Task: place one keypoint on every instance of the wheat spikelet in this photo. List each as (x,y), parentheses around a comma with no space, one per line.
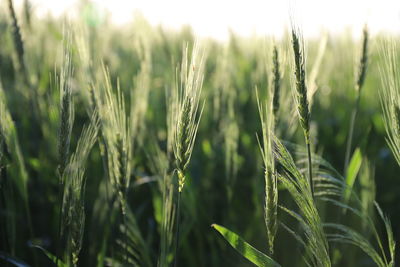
(301,96)
(276,82)
(116,133)
(73,210)
(27,12)
(270,176)
(185,117)
(186,114)
(66,124)
(301,88)
(225,99)
(390,96)
(362,66)
(140,98)
(122,170)
(8,131)
(396,120)
(115,129)
(17,38)
(315,241)
(66,107)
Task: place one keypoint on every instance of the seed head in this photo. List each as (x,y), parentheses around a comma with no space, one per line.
(362,66)
(184,111)
(301,88)
(276,84)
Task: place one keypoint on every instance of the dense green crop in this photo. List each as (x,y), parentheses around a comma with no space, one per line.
(121,146)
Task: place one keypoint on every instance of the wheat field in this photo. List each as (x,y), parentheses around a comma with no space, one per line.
(144,146)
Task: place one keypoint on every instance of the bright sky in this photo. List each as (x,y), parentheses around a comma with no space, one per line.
(214,18)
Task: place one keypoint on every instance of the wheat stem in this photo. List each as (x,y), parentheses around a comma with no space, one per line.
(185,114)
(351,133)
(125,235)
(310,169)
(270,174)
(178,218)
(362,68)
(65,130)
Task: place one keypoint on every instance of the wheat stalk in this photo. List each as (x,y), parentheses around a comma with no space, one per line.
(66,107)
(8,131)
(66,124)
(316,244)
(140,97)
(301,95)
(390,96)
(27,13)
(186,116)
(224,108)
(270,176)
(17,38)
(73,211)
(276,82)
(168,212)
(360,78)
(21,66)
(115,126)
(116,132)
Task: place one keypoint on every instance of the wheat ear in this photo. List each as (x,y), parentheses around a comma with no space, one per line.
(361,71)
(301,96)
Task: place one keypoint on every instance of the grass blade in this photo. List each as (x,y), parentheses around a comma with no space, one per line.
(352,172)
(52,257)
(244,248)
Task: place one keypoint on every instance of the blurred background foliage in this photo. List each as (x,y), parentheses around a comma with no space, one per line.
(225,182)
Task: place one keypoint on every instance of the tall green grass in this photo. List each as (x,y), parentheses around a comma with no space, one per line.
(142,142)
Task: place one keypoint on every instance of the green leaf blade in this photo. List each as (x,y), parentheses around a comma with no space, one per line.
(245,249)
(52,257)
(351,173)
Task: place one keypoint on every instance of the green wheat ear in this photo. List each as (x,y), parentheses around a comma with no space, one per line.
(276,82)
(181,180)
(73,208)
(390,96)
(362,69)
(27,13)
(115,128)
(121,156)
(66,107)
(301,88)
(396,120)
(185,115)
(186,111)
(66,124)
(9,134)
(301,96)
(362,66)
(270,175)
(17,38)
(315,240)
